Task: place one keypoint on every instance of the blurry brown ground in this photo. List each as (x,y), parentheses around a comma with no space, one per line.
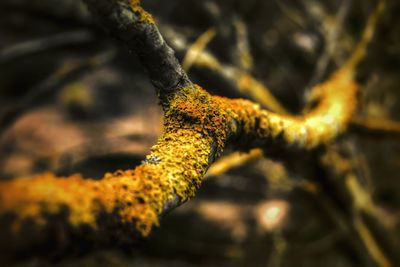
(72,100)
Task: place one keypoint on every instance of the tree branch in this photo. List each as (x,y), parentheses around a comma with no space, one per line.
(197,128)
(127,21)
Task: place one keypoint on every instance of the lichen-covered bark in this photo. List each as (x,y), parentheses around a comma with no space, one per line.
(197,128)
(174,169)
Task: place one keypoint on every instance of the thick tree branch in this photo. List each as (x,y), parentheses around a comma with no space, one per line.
(197,128)
(128,22)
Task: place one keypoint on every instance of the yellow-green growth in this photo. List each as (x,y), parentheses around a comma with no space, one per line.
(144,16)
(174,168)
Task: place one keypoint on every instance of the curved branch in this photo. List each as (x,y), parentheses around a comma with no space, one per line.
(197,128)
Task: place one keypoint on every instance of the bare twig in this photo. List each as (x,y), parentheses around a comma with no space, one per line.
(376,126)
(330,43)
(45,43)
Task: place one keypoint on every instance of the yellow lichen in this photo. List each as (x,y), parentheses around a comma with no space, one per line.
(337,102)
(196,130)
(197,109)
(195,122)
(144,16)
(174,169)
(137,195)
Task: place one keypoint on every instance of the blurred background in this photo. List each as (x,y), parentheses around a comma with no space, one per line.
(73,100)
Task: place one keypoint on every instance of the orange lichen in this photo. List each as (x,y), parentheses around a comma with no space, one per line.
(195,123)
(196,130)
(218,116)
(137,195)
(174,169)
(337,101)
(197,127)
(208,115)
(143,15)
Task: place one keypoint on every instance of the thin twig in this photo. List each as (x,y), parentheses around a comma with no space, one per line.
(45,43)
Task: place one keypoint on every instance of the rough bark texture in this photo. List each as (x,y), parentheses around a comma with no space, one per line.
(126,206)
(197,128)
